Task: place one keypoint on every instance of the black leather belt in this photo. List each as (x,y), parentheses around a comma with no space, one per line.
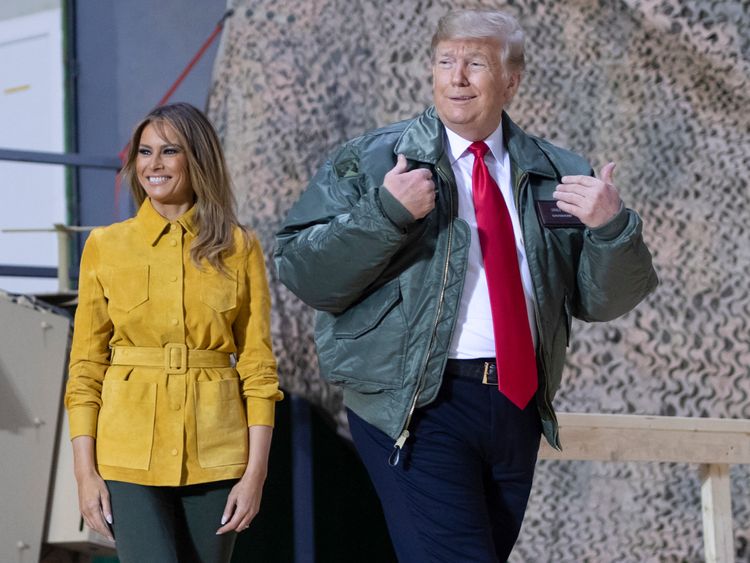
(483,370)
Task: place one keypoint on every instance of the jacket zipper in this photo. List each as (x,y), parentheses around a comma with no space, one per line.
(395,456)
(547,402)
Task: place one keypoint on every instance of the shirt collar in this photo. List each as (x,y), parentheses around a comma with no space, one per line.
(187,220)
(457,145)
(154,225)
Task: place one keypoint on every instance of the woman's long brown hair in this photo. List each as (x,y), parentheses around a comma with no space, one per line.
(215,215)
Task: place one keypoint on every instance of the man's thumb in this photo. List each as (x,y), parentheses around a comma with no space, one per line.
(606,173)
(401,165)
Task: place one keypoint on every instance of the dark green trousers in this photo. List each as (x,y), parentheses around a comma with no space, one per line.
(170,524)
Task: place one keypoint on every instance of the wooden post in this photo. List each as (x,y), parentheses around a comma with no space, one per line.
(63,258)
(716,498)
(714,443)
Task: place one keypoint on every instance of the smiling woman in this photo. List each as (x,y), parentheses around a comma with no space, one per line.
(162,171)
(175,155)
(173,383)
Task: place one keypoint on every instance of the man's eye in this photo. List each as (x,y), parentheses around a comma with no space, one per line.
(445,63)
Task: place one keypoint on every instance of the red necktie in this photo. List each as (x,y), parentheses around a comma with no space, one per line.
(514,348)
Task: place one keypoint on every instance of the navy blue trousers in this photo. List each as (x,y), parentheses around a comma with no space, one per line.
(460,490)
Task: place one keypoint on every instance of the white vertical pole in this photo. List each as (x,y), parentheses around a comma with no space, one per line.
(63,258)
(716,499)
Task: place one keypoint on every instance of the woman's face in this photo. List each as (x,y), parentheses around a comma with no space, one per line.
(161,166)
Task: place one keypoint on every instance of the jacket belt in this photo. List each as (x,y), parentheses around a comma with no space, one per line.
(174,358)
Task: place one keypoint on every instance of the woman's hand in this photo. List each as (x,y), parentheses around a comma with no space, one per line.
(93,495)
(243,502)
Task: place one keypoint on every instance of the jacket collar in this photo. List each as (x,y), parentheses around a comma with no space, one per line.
(525,154)
(424,138)
(154,225)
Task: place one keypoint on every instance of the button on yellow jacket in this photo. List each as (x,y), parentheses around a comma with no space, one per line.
(139,287)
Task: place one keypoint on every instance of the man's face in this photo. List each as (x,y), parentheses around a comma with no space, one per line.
(470,87)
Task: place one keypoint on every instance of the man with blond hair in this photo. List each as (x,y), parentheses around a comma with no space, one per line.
(446,256)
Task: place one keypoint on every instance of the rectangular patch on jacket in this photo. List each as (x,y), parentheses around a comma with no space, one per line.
(553,217)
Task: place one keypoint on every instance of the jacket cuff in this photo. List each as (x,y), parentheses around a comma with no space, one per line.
(82,421)
(612,228)
(394,210)
(260,412)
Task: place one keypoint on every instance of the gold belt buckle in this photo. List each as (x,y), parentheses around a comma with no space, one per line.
(175,359)
(486,373)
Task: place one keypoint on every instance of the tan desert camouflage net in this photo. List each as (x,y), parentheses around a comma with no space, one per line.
(660,87)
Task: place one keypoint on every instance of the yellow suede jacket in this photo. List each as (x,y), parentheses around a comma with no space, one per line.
(139,288)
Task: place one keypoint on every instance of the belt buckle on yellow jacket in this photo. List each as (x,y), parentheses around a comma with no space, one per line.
(175,359)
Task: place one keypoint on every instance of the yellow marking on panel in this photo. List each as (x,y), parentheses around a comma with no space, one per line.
(16,89)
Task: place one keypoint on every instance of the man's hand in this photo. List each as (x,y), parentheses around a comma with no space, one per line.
(414,189)
(595,201)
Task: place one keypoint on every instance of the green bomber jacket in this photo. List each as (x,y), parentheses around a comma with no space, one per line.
(387,288)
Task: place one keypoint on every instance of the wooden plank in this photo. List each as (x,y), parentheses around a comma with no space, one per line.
(599,437)
(718,539)
(636,421)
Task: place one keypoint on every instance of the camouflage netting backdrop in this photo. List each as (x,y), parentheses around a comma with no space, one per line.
(661,87)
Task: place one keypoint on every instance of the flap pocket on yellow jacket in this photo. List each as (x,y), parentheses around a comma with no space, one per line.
(125,433)
(128,287)
(219,291)
(221,423)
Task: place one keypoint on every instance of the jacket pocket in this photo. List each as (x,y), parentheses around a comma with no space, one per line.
(125,433)
(218,291)
(368,348)
(221,423)
(128,287)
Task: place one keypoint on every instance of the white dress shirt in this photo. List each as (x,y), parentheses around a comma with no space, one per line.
(474,336)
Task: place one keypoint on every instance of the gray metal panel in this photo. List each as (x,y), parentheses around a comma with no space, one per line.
(33,348)
(65,528)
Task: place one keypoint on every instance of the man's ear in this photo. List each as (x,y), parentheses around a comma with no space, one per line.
(514,83)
